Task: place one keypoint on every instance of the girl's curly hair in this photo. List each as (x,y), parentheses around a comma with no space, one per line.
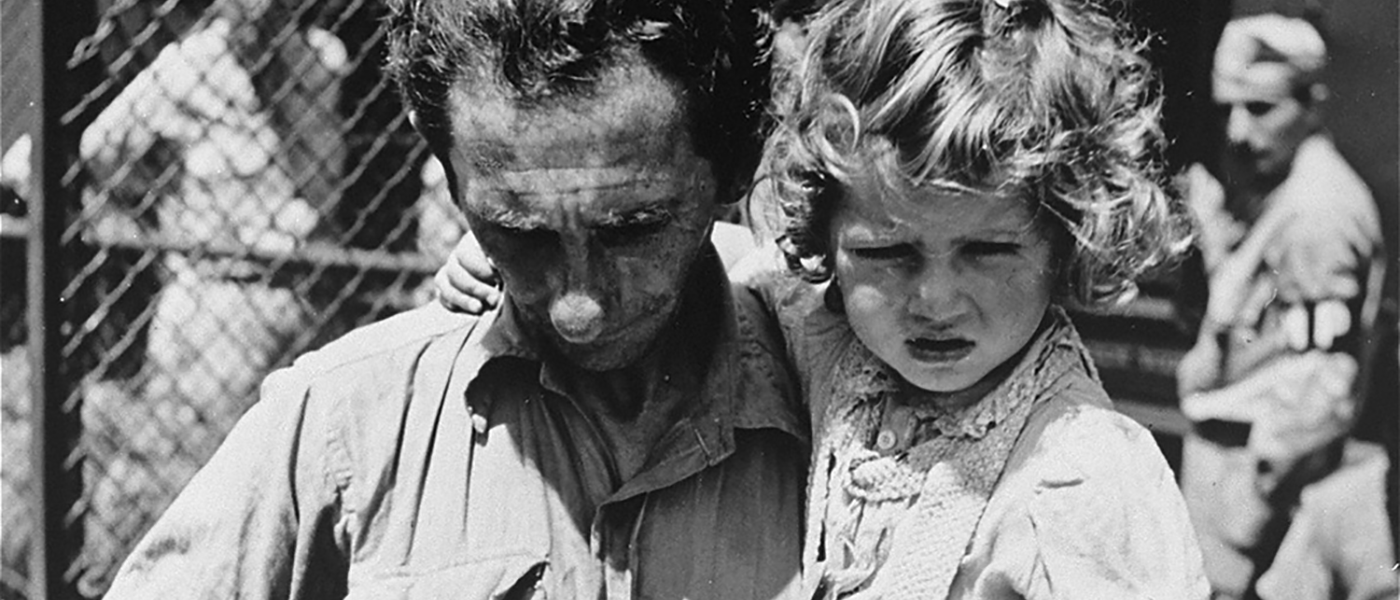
(1047,99)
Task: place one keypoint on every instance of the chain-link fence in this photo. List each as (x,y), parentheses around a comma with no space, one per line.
(244,186)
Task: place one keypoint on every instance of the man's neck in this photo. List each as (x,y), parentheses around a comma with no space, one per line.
(1246,193)
(636,405)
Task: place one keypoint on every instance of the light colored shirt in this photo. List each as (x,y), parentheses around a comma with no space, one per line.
(1293,360)
(433,455)
(1041,490)
(1339,544)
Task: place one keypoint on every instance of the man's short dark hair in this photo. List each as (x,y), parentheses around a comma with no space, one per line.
(540,51)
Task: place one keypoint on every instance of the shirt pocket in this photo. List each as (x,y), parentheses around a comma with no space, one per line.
(509,577)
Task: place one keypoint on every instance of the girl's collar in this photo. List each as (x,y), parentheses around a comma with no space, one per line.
(864,379)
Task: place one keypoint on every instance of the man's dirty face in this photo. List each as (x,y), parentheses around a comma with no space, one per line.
(593,209)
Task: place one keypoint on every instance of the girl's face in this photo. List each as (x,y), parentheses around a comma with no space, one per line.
(942,286)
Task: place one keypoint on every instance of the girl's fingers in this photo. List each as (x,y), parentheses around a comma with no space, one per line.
(472,285)
(469,255)
(459,292)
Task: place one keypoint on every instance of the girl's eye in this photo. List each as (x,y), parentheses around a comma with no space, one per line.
(895,252)
(992,248)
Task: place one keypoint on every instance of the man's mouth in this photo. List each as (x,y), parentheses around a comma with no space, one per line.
(1244,152)
(939,349)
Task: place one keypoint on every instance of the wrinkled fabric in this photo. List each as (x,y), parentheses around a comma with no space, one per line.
(1274,389)
(1339,545)
(1077,502)
(432,455)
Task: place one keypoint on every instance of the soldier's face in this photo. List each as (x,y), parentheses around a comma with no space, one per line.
(1263,128)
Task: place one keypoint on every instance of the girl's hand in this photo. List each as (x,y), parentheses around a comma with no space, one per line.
(468,283)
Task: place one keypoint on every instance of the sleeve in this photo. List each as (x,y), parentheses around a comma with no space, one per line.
(257,521)
(1328,282)
(763,271)
(1108,521)
(734,243)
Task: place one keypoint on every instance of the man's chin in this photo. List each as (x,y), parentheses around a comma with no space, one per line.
(608,352)
(598,360)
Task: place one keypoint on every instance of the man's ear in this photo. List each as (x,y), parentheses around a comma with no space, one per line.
(1318,93)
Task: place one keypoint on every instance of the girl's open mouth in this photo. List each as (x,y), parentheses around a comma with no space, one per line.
(939,350)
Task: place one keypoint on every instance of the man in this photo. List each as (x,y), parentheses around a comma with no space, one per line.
(622,426)
(1291,247)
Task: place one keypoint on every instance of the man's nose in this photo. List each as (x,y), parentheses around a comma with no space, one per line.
(577,314)
(1237,125)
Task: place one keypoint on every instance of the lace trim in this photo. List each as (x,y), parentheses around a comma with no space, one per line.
(941,484)
(861,379)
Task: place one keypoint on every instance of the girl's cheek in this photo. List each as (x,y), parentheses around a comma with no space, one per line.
(868,306)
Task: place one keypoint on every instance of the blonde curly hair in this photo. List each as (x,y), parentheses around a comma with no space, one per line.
(1048,99)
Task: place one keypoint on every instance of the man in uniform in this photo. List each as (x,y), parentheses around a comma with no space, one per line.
(1291,249)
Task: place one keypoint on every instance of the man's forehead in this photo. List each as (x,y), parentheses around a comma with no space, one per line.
(626,181)
(631,114)
(1258,84)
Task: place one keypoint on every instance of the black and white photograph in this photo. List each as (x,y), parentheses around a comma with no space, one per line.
(700,299)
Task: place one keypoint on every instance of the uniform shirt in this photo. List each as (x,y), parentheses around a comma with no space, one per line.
(1041,490)
(434,456)
(1339,544)
(1293,359)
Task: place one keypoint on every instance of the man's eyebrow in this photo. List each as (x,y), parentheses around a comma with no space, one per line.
(646,215)
(507,218)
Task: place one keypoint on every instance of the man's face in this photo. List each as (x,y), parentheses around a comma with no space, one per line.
(593,212)
(1263,128)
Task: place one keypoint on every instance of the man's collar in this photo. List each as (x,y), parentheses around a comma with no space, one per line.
(503,334)
(745,384)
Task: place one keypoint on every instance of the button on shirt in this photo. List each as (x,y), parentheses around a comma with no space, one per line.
(432,455)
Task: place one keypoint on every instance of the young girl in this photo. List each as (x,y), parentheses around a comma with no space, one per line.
(947,173)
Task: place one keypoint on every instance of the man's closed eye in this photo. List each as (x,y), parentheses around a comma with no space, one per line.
(631,232)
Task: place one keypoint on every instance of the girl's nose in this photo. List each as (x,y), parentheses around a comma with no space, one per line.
(935,292)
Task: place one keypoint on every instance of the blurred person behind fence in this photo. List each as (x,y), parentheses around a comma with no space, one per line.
(622,426)
(1290,251)
(227,142)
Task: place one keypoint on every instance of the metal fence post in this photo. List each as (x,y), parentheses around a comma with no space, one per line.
(56,424)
